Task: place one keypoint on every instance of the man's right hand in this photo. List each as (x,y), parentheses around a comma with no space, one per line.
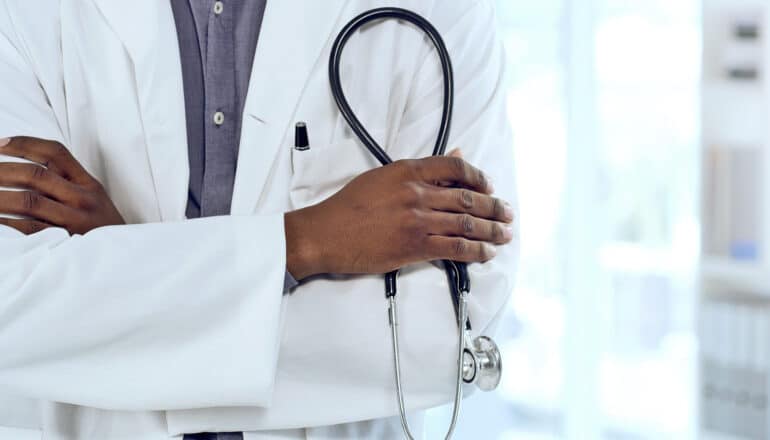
(403,213)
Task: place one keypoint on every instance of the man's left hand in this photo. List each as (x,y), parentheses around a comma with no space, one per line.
(56,190)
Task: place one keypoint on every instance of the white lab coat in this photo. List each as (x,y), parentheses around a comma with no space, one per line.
(168,326)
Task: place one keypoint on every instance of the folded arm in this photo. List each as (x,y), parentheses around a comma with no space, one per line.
(122,316)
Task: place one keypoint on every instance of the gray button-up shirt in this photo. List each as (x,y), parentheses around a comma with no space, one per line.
(217,42)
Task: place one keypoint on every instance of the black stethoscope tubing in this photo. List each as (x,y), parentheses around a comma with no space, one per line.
(457,272)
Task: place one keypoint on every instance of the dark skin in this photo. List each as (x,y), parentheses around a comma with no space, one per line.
(58,193)
(407,212)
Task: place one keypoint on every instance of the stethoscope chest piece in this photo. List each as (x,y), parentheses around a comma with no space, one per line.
(482,364)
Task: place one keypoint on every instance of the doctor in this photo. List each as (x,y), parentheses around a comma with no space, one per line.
(166,212)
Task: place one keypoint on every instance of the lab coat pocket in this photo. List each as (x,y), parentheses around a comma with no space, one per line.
(321,171)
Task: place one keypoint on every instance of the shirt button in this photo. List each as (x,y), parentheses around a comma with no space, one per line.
(219,118)
(218,7)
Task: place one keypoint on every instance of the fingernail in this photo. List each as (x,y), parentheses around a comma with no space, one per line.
(4,141)
(490,184)
(507,233)
(508,211)
(490,250)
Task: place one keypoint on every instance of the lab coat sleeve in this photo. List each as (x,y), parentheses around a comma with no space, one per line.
(336,362)
(138,317)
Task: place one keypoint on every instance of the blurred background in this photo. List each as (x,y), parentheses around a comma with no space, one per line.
(640,310)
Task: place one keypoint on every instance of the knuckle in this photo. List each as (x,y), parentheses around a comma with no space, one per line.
(408,166)
(416,168)
(458,166)
(30,201)
(482,252)
(496,232)
(486,251)
(94,186)
(58,150)
(399,164)
(38,173)
(414,222)
(466,223)
(481,179)
(497,208)
(459,247)
(85,202)
(466,199)
(412,194)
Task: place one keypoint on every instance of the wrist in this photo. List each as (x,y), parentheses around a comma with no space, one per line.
(303,257)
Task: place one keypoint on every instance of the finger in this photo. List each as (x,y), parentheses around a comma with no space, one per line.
(50,154)
(38,207)
(451,169)
(27,227)
(466,201)
(39,179)
(456,152)
(459,249)
(19,147)
(470,227)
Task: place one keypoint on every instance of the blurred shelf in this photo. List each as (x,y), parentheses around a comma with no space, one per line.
(721,86)
(723,146)
(733,114)
(748,278)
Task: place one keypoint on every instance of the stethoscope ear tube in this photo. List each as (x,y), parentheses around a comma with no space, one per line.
(339,94)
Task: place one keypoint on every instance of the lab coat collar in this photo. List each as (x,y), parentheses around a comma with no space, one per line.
(291,40)
(291,43)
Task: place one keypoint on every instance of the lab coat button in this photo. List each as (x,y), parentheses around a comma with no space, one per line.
(218,7)
(219,118)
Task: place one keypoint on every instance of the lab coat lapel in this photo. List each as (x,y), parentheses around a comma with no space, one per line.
(290,45)
(148,32)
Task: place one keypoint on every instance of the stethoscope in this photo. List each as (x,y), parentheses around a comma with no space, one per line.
(478,360)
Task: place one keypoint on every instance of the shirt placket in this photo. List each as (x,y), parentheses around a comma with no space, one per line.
(220,112)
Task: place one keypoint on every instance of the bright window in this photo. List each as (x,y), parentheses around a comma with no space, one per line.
(599,340)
